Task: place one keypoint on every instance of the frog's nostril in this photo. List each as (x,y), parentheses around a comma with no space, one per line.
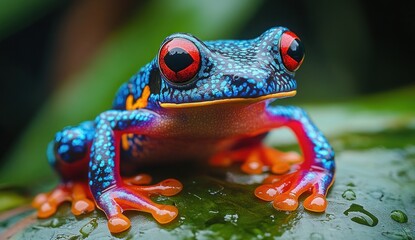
(236,78)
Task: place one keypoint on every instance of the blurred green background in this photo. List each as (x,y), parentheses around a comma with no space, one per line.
(61,62)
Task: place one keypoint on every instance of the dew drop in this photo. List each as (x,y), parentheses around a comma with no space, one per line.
(89,227)
(213,190)
(361,216)
(395,235)
(66,237)
(399,216)
(231,218)
(330,216)
(349,195)
(57,222)
(378,194)
(316,236)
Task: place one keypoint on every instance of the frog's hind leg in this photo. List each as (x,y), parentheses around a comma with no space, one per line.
(256,156)
(68,153)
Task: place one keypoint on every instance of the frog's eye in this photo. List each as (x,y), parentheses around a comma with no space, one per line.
(292,51)
(179,60)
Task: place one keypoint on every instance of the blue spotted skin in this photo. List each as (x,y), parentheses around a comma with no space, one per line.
(72,142)
(229,69)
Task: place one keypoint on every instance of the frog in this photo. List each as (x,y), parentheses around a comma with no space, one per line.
(197,100)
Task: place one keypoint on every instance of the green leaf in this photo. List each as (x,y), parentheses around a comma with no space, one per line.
(10,199)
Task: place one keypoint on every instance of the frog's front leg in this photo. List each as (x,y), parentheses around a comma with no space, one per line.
(315,174)
(111,194)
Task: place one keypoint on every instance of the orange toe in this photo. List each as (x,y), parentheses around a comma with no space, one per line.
(253,165)
(170,187)
(291,157)
(140,179)
(46,210)
(285,202)
(266,192)
(165,213)
(280,168)
(39,200)
(82,206)
(118,223)
(315,203)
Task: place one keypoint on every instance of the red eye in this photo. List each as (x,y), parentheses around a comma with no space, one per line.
(179,60)
(292,51)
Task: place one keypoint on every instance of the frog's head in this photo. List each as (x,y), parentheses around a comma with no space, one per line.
(195,73)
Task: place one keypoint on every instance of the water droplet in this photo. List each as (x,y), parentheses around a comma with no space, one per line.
(378,194)
(232,218)
(215,189)
(395,235)
(349,195)
(316,236)
(55,222)
(67,237)
(399,216)
(330,216)
(89,227)
(361,216)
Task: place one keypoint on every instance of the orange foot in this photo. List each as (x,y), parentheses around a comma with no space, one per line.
(75,192)
(255,158)
(113,202)
(130,196)
(285,191)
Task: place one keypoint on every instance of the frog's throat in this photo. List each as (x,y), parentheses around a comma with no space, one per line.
(229,100)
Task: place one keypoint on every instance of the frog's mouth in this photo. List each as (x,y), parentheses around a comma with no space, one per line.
(229,100)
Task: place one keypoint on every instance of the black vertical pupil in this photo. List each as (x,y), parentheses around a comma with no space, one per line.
(178,59)
(296,50)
